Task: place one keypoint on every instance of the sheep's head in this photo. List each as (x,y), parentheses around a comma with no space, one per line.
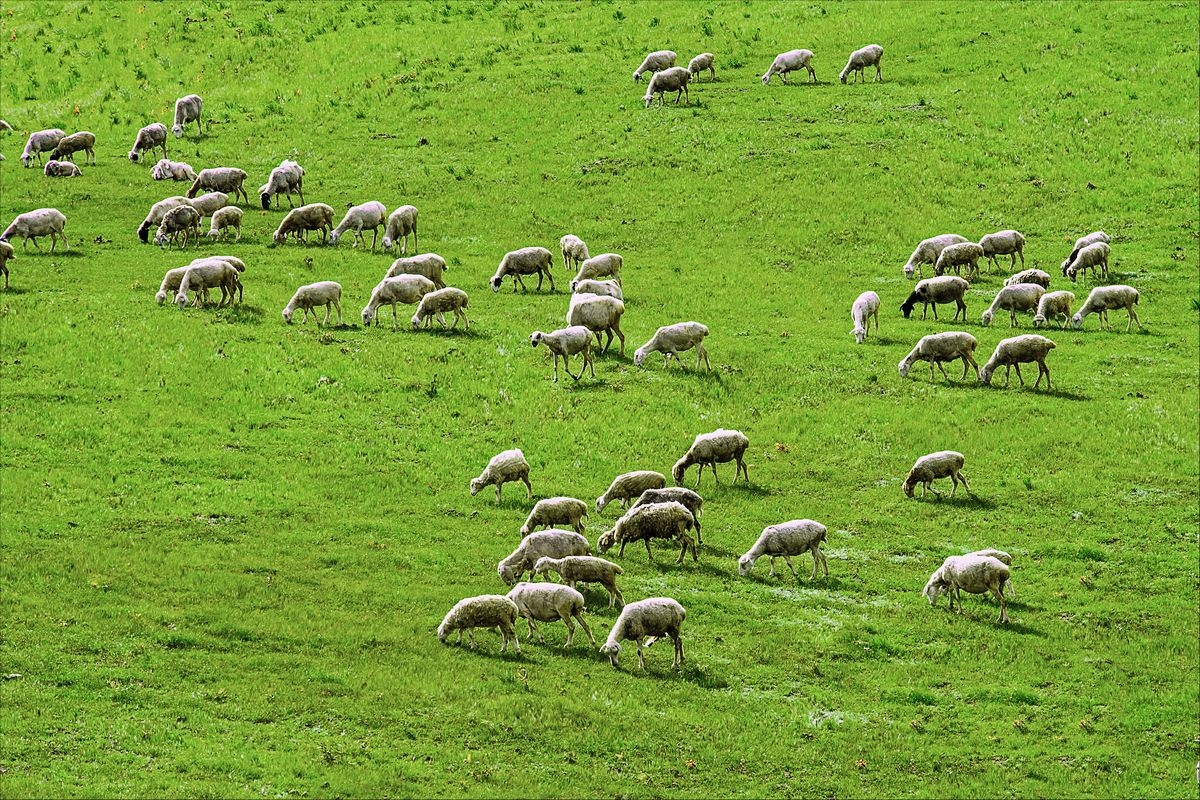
(416,323)
(679,470)
(860,334)
(766,79)
(639,356)
(910,483)
(934,588)
(1039,320)
(387,243)
(745,564)
(904,367)
(985,375)
(505,571)
(177,130)
(1077,321)
(906,308)
(648,99)
(181,300)
(443,630)
(985,318)
(477,484)
(606,541)
(542,566)
(1072,272)
(613,651)
(368,314)
(1064,265)
(333,237)
(161,297)
(265,198)
(287,315)
(496,281)
(601,502)
(133,156)
(279,235)
(535,338)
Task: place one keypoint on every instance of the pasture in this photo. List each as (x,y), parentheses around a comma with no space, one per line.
(228,541)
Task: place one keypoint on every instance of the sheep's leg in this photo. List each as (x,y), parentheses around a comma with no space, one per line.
(967,358)
(942,369)
(772,567)
(498,485)
(963,479)
(614,594)
(471,637)
(328,312)
(649,555)
(932,374)
(1042,368)
(641,655)
(1017,367)
(824,562)
(608,343)
(528,488)
(621,552)
(1133,317)
(1007,368)
(999,592)
(583,624)
(459,640)
(678,650)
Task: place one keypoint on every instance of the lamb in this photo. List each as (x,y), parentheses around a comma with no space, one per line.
(658,60)
(938,348)
(157,212)
(41,142)
(628,486)
(794,538)
(957,256)
(526,261)
(692,501)
(1094,255)
(431,265)
(927,469)
(860,59)
(584,569)
(284,179)
(308,297)
(599,315)
(1051,305)
(61,169)
(150,138)
(484,611)
(312,217)
(230,180)
(170,283)
(549,602)
(1014,298)
(39,222)
(786,62)
(554,543)
(174,277)
(508,466)
(407,289)
(603,288)
(167,170)
(668,520)
(573,249)
(187,109)
(1004,243)
(927,252)
(1080,243)
(556,511)
(653,617)
(371,215)
(702,62)
(710,449)
(6,255)
(674,79)
(210,203)
(68,146)
(671,339)
(601,266)
(976,574)
(1017,351)
(400,224)
(181,219)
(1030,276)
(222,220)
(943,289)
(437,303)
(566,342)
(1100,300)
(208,274)
(866,306)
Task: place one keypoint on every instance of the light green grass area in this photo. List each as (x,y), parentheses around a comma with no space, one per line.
(228,542)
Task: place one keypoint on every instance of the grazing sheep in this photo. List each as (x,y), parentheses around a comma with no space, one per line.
(629,486)
(653,617)
(956,256)
(692,501)
(210,203)
(370,215)
(860,59)
(977,574)
(1017,351)
(437,303)
(938,348)
(1030,276)
(927,252)
(1004,558)
(601,266)
(674,79)
(786,62)
(166,170)
(181,219)
(400,224)
(526,261)
(157,212)
(943,289)
(68,146)
(602,288)
(658,60)
(1014,298)
(550,602)
(312,217)
(308,297)
(710,449)
(554,543)
(6,255)
(39,222)
(866,306)
(671,339)
(1100,300)
(573,249)
(222,220)
(668,520)
(174,279)
(229,180)
(484,611)
(61,169)
(150,137)
(187,109)
(584,569)
(1051,305)
(1004,243)
(1094,255)
(702,62)
(170,283)
(787,539)
(431,265)
(599,315)
(555,511)
(407,289)
(41,142)
(208,274)
(927,469)
(566,342)
(506,467)
(284,179)
(1080,243)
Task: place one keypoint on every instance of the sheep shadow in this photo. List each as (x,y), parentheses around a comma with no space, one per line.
(241,313)
(16,290)
(450,333)
(967,500)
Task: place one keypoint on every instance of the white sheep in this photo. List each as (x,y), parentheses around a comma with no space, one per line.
(629,486)
(437,303)
(602,288)
(187,109)
(1014,298)
(787,539)
(167,170)
(601,266)
(229,180)
(209,203)
(150,137)
(6,255)
(668,520)
(554,543)
(584,569)
(407,289)
(866,306)
(41,142)
(1004,243)
(39,222)
(1080,243)
(1051,305)
(674,79)
(927,469)
(526,261)
(157,212)
(1016,351)
(208,274)
(653,62)
(550,602)
(786,62)
(573,249)
(484,611)
(702,62)
(508,466)
(690,500)
(1004,558)
(927,252)
(174,277)
(653,617)
(181,219)
(68,146)
(938,348)
(709,449)
(869,56)
(599,315)
(284,179)
(224,219)
(977,574)
(170,283)
(370,215)
(1029,276)
(309,297)
(61,169)
(670,340)
(552,511)
(431,265)
(311,217)
(400,224)
(956,256)
(1101,300)
(1094,255)
(942,289)
(564,343)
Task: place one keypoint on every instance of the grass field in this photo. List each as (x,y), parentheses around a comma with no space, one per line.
(227,542)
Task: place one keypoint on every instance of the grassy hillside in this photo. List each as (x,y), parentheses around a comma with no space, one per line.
(228,541)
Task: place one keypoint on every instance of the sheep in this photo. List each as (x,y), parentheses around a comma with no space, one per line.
(1029,276)
(526,261)
(39,222)
(584,569)
(573,249)
(937,348)
(1004,558)
(786,62)
(210,203)
(284,179)
(943,289)
(927,469)
(630,485)
(1051,305)
(431,265)
(166,170)
(1017,351)
(181,219)
(549,602)
(1004,243)
(866,306)
(223,219)
(400,224)
(1080,243)
(658,60)
(61,169)
(599,315)
(308,297)
(1094,255)
(208,274)
(860,59)
(437,303)
(157,212)
(794,538)
(601,266)
(508,466)
(702,62)
(653,617)
(957,256)
(371,215)
(230,180)
(554,511)
(170,283)
(554,543)
(566,342)
(1101,300)
(668,520)
(484,611)
(976,574)
(603,288)
(1014,298)
(311,217)
(674,79)
(41,142)
(68,146)
(174,277)
(187,109)
(150,138)
(6,255)
(927,252)
(407,289)
(671,339)
(710,449)
(692,501)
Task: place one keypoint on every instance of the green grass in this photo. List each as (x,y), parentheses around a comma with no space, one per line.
(228,542)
